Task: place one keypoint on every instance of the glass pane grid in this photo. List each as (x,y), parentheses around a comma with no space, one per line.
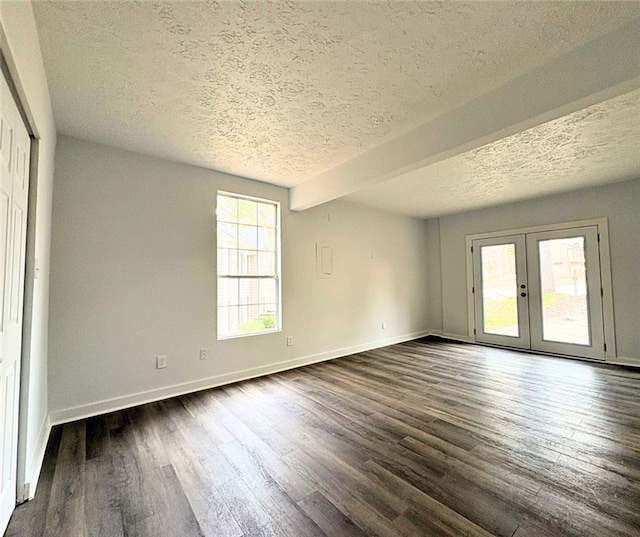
(259,224)
(233,210)
(247,267)
(235,221)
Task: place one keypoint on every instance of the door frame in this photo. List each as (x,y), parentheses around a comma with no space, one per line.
(605,274)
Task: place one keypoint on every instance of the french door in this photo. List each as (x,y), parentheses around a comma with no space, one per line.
(540,291)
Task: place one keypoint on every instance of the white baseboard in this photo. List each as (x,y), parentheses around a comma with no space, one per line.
(34,462)
(623,360)
(456,337)
(619,360)
(118,403)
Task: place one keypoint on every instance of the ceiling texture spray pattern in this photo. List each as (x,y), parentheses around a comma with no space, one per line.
(282,91)
(595,145)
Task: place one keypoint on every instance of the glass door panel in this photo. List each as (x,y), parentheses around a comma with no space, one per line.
(563,281)
(501,296)
(500,290)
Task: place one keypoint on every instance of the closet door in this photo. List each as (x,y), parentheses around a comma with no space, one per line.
(565,304)
(14,183)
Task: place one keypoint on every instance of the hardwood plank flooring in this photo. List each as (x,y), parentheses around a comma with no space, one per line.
(425,438)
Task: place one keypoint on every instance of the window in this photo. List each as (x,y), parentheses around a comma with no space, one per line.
(248,266)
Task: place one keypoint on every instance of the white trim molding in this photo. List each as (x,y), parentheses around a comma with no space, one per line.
(457,338)
(34,463)
(118,403)
(627,362)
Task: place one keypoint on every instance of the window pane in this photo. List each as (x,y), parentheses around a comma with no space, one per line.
(500,290)
(227,261)
(227,235)
(257,318)
(269,316)
(249,314)
(267,291)
(268,309)
(266,239)
(249,291)
(266,263)
(248,237)
(563,277)
(248,262)
(266,215)
(247,212)
(228,292)
(227,210)
(227,321)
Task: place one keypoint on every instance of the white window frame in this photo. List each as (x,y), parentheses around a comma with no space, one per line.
(277,277)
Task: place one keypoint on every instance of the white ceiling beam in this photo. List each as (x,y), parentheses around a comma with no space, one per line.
(601,69)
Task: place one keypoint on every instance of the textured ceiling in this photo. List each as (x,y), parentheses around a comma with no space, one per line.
(282,91)
(595,145)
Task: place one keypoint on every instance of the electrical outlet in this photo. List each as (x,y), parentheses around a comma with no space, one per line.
(384,325)
(289,341)
(204,354)
(161,361)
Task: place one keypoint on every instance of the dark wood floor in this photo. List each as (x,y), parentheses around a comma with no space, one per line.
(421,438)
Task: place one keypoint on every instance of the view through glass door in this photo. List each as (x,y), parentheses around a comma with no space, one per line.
(502,311)
(540,291)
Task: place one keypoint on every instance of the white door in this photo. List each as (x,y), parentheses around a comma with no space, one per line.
(14,183)
(540,291)
(565,300)
(501,306)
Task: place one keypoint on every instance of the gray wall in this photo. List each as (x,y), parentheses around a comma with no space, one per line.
(434,273)
(619,202)
(133,276)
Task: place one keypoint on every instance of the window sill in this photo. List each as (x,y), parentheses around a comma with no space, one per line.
(250,334)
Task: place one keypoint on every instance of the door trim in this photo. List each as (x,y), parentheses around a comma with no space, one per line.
(605,273)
